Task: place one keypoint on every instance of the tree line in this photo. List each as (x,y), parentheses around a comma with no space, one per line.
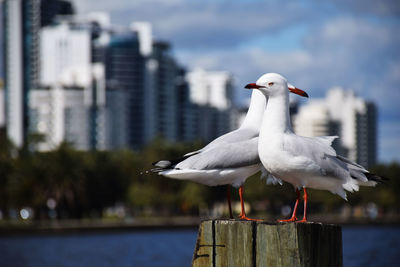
(83,184)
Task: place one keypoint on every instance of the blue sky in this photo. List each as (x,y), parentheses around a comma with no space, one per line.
(316,44)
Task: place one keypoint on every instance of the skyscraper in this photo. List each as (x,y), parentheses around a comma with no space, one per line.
(211,93)
(22,22)
(21,66)
(120,85)
(125,71)
(69,104)
(64,47)
(2,113)
(366,135)
(187,126)
(161,94)
(50,9)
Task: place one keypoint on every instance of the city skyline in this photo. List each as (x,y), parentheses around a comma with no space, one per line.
(82,80)
(281,39)
(315,44)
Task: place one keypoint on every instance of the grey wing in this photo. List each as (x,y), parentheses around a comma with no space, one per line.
(312,147)
(334,165)
(318,155)
(360,173)
(223,156)
(231,137)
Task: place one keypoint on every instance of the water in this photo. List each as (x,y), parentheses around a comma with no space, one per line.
(156,248)
(362,246)
(371,246)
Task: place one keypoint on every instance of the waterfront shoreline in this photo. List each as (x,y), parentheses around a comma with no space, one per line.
(142,224)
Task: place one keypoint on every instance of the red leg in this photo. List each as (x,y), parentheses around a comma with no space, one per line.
(228,197)
(293,218)
(242,215)
(305,197)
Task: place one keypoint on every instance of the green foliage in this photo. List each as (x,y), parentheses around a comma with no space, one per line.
(193,195)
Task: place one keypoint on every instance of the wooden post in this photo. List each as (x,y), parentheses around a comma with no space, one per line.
(244,243)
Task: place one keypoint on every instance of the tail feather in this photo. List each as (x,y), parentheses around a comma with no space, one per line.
(371,179)
(376,178)
(155,170)
(362,175)
(346,160)
(163,165)
(170,164)
(351,186)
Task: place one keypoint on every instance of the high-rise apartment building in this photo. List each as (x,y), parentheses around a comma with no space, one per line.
(64,48)
(187,126)
(60,115)
(125,71)
(161,94)
(72,110)
(21,66)
(50,9)
(342,113)
(69,104)
(367,135)
(102,87)
(2,113)
(211,93)
(22,21)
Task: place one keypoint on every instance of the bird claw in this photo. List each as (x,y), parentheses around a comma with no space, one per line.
(293,219)
(302,221)
(243,217)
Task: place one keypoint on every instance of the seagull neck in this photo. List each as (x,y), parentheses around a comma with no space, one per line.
(256,110)
(276,116)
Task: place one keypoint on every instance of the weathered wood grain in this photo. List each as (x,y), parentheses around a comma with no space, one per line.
(234,243)
(244,243)
(205,245)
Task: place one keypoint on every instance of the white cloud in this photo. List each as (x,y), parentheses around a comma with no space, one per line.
(203,25)
(353,53)
(86,6)
(359,54)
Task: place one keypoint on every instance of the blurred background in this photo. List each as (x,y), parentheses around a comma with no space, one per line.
(92,92)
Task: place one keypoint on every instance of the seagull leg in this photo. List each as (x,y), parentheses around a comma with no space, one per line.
(293,218)
(228,197)
(242,215)
(305,197)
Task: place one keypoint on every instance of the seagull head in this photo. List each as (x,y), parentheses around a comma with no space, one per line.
(271,84)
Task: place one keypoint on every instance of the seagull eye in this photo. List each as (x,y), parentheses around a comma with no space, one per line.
(271,83)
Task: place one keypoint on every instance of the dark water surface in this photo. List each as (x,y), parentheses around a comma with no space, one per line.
(371,246)
(362,246)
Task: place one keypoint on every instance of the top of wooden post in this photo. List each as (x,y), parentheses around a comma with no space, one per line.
(248,243)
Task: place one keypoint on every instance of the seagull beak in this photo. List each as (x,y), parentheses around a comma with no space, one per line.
(297,91)
(253,86)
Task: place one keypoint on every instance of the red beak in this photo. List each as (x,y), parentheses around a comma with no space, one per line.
(298,91)
(253,86)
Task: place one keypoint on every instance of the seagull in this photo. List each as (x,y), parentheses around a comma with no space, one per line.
(305,162)
(228,160)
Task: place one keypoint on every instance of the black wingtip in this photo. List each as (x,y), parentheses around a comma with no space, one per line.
(376,178)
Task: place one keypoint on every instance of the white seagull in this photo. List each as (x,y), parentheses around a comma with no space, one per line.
(305,162)
(228,160)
